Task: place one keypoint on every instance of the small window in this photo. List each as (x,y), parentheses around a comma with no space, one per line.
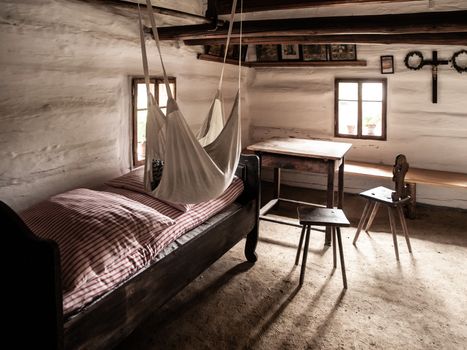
(139,102)
(360,108)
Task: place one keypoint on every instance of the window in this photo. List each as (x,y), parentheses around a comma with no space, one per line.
(360,108)
(139,101)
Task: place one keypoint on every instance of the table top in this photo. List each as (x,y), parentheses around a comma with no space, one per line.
(303,148)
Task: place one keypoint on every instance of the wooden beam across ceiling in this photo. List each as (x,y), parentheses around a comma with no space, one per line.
(132,8)
(432,27)
(423,38)
(224,6)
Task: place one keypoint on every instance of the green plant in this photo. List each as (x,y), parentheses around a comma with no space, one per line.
(369,119)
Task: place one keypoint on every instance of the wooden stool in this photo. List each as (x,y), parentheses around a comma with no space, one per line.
(394,200)
(375,197)
(329,217)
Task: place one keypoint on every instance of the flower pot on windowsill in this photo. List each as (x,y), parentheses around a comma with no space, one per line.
(370,128)
(350,129)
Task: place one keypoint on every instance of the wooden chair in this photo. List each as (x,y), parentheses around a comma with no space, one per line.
(328,217)
(393,200)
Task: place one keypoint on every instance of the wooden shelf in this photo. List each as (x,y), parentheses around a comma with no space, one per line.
(212,58)
(308,63)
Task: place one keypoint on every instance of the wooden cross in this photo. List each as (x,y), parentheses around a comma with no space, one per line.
(434,62)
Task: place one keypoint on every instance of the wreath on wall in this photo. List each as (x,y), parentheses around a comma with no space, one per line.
(408,58)
(417,54)
(455,65)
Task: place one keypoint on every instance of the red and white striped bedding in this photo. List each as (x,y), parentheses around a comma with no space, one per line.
(78,295)
(134,181)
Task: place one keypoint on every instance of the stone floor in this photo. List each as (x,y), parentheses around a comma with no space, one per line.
(417,303)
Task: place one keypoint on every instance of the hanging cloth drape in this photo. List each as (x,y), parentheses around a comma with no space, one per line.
(194,170)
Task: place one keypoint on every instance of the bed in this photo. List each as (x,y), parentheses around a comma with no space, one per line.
(32,266)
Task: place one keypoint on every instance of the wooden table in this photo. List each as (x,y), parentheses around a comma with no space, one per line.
(323,157)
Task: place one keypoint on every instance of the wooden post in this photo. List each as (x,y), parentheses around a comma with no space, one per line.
(411,209)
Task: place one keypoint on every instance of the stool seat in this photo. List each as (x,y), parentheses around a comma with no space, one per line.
(322,217)
(374,199)
(383,195)
(332,217)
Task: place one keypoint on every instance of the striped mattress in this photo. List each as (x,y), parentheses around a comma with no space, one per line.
(166,224)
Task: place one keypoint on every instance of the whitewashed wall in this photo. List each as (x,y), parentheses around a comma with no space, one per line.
(300,102)
(64,94)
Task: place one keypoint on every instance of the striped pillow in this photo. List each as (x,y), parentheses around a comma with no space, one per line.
(134,181)
(95,231)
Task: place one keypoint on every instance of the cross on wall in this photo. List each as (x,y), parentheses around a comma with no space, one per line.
(434,62)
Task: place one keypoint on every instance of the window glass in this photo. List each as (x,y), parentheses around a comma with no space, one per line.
(348,91)
(372,91)
(140,112)
(163,94)
(361,108)
(372,116)
(348,117)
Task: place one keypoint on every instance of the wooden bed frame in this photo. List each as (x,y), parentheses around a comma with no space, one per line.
(31,267)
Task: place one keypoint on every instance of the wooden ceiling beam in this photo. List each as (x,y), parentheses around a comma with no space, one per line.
(423,38)
(414,23)
(132,8)
(225,6)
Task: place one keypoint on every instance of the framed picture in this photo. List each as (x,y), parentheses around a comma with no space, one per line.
(387,64)
(214,50)
(314,52)
(267,53)
(343,52)
(234,51)
(290,52)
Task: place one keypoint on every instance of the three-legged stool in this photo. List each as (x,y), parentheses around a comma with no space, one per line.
(375,197)
(329,217)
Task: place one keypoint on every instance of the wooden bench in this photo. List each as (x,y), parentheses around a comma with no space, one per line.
(414,176)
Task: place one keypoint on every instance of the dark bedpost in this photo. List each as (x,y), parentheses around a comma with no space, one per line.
(31,273)
(253,188)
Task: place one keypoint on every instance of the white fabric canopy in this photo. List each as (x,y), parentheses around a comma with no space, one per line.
(196,168)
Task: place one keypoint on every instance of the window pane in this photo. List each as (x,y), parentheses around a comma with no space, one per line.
(372,92)
(142,96)
(348,117)
(163,93)
(141,134)
(372,116)
(348,91)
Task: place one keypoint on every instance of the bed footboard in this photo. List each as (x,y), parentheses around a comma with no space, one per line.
(251,176)
(31,271)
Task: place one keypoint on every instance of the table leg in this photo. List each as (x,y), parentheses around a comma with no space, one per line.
(330,197)
(340,203)
(277,183)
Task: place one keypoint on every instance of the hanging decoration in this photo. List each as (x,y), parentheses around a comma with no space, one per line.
(414,60)
(456,65)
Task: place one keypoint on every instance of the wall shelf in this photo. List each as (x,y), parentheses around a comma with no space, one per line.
(361,63)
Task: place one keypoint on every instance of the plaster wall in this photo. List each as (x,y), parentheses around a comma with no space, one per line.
(300,102)
(66,69)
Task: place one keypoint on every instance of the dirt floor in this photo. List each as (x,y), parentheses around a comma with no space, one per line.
(417,303)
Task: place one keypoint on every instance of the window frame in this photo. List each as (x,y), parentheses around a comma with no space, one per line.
(359,135)
(156,80)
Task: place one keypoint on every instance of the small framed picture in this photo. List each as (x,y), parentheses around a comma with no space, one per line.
(343,52)
(315,52)
(214,50)
(267,53)
(387,64)
(234,50)
(290,52)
